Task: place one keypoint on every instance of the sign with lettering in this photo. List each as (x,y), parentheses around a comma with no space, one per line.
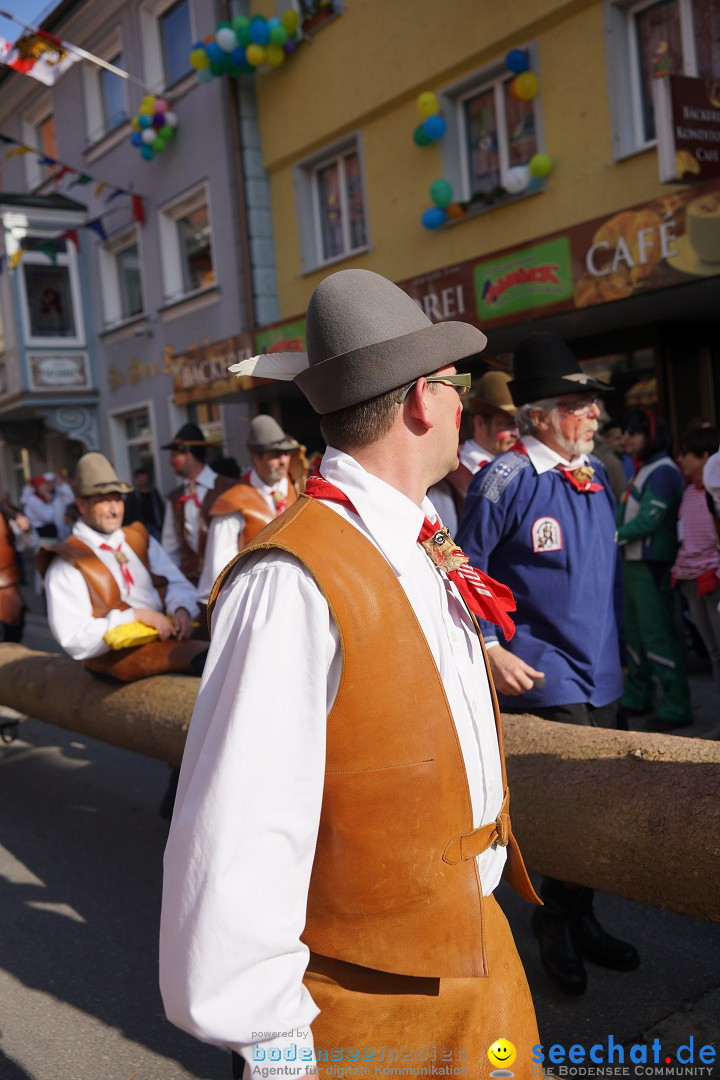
(284,337)
(537,276)
(201,373)
(59,372)
(687,119)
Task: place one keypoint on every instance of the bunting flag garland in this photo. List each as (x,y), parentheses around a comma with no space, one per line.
(97,226)
(138,209)
(100,187)
(82,179)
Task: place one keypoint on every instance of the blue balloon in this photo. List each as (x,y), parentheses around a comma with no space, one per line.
(272,23)
(204,75)
(517,60)
(145,121)
(434,218)
(147,152)
(435,127)
(215,53)
(136,138)
(238,57)
(198,45)
(259,30)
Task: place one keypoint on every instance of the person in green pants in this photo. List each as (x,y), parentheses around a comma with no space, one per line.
(647,535)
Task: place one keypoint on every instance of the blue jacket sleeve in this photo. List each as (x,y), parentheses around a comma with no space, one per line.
(482,526)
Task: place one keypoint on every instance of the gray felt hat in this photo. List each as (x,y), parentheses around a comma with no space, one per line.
(94,475)
(365,336)
(266,435)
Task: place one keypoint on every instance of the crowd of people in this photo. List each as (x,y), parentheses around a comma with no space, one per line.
(348,703)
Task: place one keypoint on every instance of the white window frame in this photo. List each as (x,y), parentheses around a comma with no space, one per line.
(170,252)
(624,71)
(454,144)
(66,258)
(307,198)
(120,444)
(150,15)
(96,128)
(34,171)
(110,277)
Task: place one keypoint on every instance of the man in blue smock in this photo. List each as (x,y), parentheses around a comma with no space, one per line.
(541,519)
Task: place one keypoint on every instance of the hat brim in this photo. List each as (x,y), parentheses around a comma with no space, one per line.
(483,408)
(362,374)
(525,391)
(179,444)
(282,447)
(109,488)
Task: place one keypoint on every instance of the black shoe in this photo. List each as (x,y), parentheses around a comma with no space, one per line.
(559,952)
(597,945)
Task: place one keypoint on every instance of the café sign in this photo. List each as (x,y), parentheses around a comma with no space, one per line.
(687,119)
(201,372)
(64,372)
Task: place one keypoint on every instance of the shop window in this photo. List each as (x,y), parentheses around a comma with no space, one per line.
(332,212)
(186,245)
(133,441)
(121,277)
(167,33)
(49,293)
(647,40)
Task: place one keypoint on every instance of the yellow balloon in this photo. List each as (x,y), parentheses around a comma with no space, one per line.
(135,124)
(525,86)
(255,55)
(274,55)
(428,104)
(290,20)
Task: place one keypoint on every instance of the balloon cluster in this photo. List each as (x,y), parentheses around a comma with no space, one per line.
(445,207)
(244,45)
(433,125)
(525,85)
(153,126)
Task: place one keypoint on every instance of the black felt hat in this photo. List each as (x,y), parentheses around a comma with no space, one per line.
(188,436)
(365,337)
(545,367)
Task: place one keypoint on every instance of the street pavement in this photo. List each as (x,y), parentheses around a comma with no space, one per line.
(80,877)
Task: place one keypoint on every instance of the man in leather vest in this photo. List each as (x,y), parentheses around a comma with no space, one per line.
(241,512)
(187,518)
(102,577)
(342,816)
(542,518)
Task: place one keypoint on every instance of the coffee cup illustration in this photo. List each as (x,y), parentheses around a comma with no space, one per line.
(703,226)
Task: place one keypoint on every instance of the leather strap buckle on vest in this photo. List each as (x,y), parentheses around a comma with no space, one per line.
(470,845)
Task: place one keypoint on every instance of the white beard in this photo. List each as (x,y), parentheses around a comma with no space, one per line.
(576,447)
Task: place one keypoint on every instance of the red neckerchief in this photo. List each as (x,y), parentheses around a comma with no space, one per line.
(577,478)
(122,561)
(191,494)
(484,596)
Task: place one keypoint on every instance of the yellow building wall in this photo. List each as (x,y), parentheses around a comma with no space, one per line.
(363,72)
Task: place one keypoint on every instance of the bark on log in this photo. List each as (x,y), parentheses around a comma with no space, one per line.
(633,814)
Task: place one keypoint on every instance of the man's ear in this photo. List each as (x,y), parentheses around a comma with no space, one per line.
(541,420)
(417,402)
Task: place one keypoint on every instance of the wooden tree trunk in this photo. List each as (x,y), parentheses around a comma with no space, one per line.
(629,813)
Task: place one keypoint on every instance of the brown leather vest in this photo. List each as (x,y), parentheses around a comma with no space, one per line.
(395,882)
(128,665)
(191,561)
(247,500)
(11,601)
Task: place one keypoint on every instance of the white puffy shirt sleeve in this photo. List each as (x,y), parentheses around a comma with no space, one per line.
(180,592)
(242,841)
(221,546)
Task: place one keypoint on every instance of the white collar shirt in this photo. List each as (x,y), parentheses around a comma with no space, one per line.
(267,491)
(473,455)
(242,841)
(544,458)
(70,616)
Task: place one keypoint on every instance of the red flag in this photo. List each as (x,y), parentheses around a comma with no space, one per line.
(138,210)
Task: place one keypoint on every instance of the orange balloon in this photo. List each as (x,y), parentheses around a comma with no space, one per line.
(454,210)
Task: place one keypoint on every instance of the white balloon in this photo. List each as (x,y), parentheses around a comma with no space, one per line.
(226,39)
(171,118)
(516,179)
(149,135)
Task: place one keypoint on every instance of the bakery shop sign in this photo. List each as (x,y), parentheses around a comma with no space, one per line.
(687,119)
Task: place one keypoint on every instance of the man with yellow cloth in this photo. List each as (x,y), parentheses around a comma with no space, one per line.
(101,578)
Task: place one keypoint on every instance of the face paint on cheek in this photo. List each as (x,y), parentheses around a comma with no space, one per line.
(458,417)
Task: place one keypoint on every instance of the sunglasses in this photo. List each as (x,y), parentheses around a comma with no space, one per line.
(461,383)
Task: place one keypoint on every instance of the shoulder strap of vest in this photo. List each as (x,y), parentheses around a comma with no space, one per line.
(237,499)
(138,538)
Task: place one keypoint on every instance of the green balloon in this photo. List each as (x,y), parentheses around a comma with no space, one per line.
(240,23)
(278,35)
(441,193)
(166,131)
(419,136)
(243,36)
